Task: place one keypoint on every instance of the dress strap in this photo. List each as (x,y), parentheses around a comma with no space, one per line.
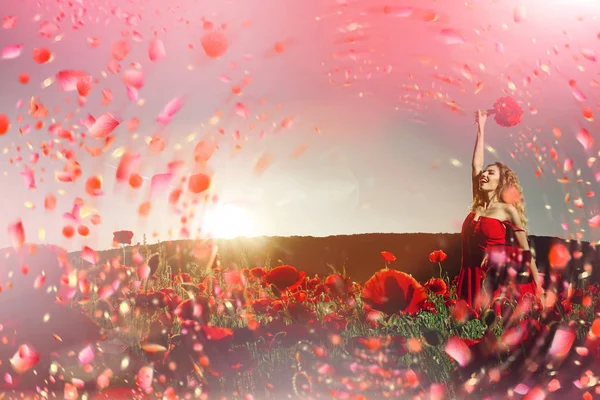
(514,228)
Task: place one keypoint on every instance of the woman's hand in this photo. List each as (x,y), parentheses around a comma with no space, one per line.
(480,118)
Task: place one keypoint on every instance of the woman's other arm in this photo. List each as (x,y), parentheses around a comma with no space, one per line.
(478,152)
(515,219)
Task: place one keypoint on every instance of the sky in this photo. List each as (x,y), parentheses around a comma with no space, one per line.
(325,117)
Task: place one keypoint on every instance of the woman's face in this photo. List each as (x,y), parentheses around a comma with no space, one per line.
(490,177)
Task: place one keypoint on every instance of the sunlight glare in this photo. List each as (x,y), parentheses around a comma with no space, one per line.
(226,221)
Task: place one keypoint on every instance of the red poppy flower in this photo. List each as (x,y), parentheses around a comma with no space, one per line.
(233,278)
(196,309)
(593,289)
(436,286)
(429,306)
(300,313)
(122,237)
(166,318)
(173,299)
(313,283)
(392,291)
(261,306)
(462,311)
(258,272)
(388,257)
(300,296)
(508,112)
(337,285)
(437,256)
(334,322)
(285,277)
(567,307)
(150,302)
(183,277)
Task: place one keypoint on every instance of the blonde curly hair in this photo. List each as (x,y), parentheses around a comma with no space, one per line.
(508,191)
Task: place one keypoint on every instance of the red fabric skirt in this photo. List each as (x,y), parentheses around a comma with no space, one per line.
(500,260)
(470,283)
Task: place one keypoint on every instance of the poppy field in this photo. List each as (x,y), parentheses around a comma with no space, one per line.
(269,332)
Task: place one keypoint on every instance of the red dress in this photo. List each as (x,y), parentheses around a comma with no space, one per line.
(489,236)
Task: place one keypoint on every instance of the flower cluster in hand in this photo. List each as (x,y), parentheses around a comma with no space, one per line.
(122,237)
(507,112)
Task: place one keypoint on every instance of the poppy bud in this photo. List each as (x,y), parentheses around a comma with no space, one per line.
(488,317)
(275,290)
(433,338)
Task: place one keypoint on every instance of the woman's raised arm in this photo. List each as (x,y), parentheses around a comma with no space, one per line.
(477,164)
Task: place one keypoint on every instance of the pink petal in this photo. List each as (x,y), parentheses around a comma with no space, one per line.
(17,234)
(48,29)
(9,22)
(554,385)
(520,14)
(114,67)
(536,393)
(159,183)
(132,93)
(156,50)
(594,222)
(500,48)
(119,50)
(28,176)
(170,110)
(134,78)
(11,52)
(88,254)
(451,36)
(589,54)
(241,110)
(104,126)
(458,350)
(584,137)
(39,281)
(138,259)
(86,355)
(127,166)
(143,271)
(568,165)
(24,359)
(578,94)
(521,389)
(88,121)
(135,35)
(105,292)
(436,391)
(68,79)
(562,342)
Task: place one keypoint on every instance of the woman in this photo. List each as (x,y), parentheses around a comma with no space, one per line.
(497,211)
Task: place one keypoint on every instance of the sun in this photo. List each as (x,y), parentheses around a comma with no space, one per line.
(226,221)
